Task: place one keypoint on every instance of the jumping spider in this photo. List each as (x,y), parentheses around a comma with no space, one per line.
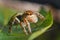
(25,19)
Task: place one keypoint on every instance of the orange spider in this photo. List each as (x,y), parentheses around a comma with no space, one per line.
(25,19)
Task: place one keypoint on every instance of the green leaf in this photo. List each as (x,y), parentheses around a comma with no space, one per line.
(37,29)
(45,25)
(5,15)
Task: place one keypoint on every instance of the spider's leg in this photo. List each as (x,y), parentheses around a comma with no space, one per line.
(24,29)
(17,21)
(14,21)
(29,28)
(40,16)
(28,25)
(10,28)
(22,25)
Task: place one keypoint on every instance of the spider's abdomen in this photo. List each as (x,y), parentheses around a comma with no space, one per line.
(32,18)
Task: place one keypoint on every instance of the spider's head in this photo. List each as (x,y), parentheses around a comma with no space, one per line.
(28,12)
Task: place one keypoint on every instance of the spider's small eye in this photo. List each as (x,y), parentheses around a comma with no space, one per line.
(28,12)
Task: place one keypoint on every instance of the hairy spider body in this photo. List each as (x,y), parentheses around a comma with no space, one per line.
(25,19)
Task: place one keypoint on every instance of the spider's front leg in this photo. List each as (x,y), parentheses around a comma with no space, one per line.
(23,26)
(28,25)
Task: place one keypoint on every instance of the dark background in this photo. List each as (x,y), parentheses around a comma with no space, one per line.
(54,3)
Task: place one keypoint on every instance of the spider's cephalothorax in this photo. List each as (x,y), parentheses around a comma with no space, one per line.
(25,19)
